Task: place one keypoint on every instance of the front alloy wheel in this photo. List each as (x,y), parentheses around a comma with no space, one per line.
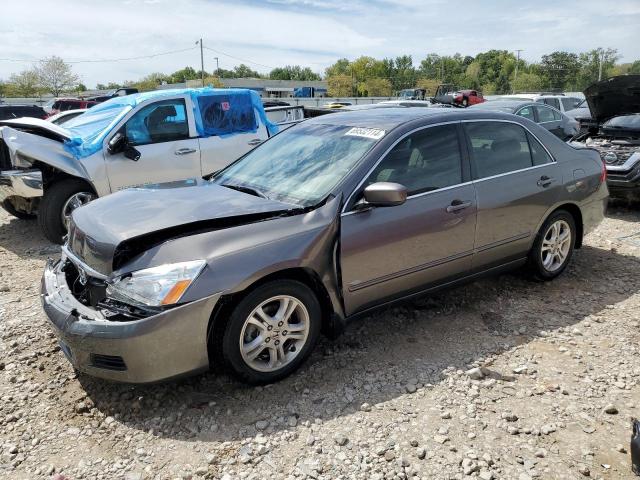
(274,333)
(270,332)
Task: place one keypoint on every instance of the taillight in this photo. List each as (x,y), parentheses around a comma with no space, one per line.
(603,173)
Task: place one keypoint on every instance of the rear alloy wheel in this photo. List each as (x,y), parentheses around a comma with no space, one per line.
(553,247)
(271,331)
(58,203)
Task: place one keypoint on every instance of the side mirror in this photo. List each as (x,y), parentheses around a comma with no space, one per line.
(117,143)
(385,194)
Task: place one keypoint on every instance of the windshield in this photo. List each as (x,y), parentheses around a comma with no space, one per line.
(301,165)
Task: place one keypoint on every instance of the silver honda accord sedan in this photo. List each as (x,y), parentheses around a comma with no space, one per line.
(323,222)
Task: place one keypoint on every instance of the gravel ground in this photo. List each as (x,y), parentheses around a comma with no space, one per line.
(500,379)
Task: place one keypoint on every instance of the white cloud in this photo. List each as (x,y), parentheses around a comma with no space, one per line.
(313,33)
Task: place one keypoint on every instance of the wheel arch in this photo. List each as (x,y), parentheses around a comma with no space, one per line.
(575,212)
(51,175)
(307,276)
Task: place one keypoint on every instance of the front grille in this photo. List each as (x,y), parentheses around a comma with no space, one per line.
(5,159)
(108,362)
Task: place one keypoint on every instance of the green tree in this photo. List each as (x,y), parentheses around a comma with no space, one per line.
(340,86)
(560,70)
(293,72)
(341,67)
(635,67)
(55,76)
(590,65)
(377,87)
(181,76)
(24,84)
(242,71)
(527,82)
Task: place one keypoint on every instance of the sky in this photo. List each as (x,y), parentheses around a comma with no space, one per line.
(313,33)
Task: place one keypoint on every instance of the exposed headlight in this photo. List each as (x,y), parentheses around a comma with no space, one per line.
(157,286)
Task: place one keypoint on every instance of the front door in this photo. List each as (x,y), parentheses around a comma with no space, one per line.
(393,251)
(160,132)
(516,181)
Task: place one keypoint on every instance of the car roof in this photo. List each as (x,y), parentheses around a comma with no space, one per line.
(503,104)
(19,105)
(390,118)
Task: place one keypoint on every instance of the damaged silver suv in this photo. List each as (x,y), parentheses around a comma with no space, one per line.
(324,221)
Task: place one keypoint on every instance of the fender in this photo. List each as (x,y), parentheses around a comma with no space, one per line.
(27,149)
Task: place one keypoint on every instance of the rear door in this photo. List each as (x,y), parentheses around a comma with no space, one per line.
(516,181)
(160,131)
(393,251)
(550,119)
(232,129)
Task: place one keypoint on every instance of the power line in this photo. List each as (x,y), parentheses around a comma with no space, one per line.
(238,58)
(107,60)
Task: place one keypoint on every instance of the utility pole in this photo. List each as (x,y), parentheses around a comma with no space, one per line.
(601,59)
(217,67)
(515,75)
(201,62)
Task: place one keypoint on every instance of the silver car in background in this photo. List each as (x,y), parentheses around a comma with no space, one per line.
(323,222)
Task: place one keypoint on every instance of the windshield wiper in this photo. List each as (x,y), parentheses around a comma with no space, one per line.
(245,189)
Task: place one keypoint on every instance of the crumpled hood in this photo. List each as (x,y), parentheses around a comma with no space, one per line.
(614,96)
(153,215)
(37,124)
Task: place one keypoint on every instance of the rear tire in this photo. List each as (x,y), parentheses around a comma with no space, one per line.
(56,198)
(261,343)
(553,247)
(465,102)
(10,209)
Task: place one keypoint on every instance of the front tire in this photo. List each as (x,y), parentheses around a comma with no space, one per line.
(271,332)
(58,202)
(553,247)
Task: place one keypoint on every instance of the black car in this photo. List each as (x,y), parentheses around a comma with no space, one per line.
(544,115)
(8,112)
(614,131)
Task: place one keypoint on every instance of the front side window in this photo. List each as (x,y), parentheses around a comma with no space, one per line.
(164,121)
(426,160)
(301,165)
(498,147)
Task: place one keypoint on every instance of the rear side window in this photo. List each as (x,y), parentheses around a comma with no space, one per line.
(539,155)
(498,147)
(225,114)
(423,161)
(527,112)
(545,115)
(569,103)
(554,102)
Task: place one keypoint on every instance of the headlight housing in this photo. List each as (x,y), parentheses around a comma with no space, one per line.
(156,286)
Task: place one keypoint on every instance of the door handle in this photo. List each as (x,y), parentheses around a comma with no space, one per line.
(254,142)
(458,205)
(185,151)
(544,181)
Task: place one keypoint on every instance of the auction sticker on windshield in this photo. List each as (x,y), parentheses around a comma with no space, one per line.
(374,133)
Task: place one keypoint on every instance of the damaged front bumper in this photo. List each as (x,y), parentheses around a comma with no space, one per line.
(20,183)
(170,344)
